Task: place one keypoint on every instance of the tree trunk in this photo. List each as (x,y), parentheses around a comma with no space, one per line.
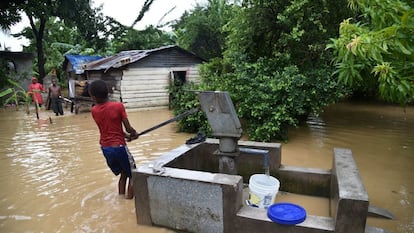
(38,33)
(40,59)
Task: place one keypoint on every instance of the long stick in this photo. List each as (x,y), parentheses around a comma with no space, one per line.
(178,117)
(37,109)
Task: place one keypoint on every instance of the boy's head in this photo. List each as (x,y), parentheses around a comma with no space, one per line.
(98,90)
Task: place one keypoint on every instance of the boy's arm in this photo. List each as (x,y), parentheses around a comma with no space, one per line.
(132,133)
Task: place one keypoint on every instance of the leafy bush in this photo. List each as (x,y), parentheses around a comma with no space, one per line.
(272,100)
(184,97)
(274,63)
(14,95)
(267,100)
(374,52)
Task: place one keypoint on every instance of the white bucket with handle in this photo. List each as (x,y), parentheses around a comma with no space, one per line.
(262,190)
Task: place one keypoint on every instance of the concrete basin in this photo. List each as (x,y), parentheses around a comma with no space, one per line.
(182,190)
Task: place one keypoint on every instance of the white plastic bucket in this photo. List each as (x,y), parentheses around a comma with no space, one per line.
(263,190)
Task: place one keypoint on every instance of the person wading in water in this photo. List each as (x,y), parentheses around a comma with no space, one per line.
(55,96)
(110,117)
(34,91)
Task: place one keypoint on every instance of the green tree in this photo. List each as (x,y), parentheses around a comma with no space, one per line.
(274,63)
(76,12)
(293,32)
(201,29)
(375,52)
(281,72)
(148,38)
(59,40)
(145,8)
(9,13)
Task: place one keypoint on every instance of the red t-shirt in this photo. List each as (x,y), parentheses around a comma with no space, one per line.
(108,116)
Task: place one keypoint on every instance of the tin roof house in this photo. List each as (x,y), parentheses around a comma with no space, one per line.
(140,78)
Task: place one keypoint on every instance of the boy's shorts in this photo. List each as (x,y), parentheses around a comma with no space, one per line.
(119,159)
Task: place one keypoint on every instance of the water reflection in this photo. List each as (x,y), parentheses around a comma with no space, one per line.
(54,177)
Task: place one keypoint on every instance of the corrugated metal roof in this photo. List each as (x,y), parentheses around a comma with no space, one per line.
(79,61)
(127,57)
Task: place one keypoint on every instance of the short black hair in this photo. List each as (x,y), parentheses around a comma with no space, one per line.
(99,89)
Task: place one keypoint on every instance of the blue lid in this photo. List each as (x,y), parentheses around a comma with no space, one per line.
(286,213)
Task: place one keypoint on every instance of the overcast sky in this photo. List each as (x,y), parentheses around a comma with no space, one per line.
(125,11)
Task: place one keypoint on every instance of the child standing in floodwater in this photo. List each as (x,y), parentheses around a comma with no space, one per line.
(35,89)
(110,117)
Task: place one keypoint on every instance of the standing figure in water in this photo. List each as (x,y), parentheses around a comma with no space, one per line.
(55,96)
(35,89)
(110,117)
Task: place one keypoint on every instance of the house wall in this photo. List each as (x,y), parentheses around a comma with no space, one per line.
(148,87)
(145,87)
(193,75)
(22,63)
(145,83)
(112,79)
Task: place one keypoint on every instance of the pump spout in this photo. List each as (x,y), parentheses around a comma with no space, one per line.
(264,153)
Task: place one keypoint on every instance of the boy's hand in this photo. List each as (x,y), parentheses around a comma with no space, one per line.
(133,136)
(130,137)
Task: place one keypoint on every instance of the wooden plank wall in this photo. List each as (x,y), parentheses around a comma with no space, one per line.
(148,87)
(112,79)
(193,75)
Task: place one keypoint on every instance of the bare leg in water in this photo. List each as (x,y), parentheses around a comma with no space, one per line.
(122,186)
(130,194)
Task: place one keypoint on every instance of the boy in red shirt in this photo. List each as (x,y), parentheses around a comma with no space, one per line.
(110,116)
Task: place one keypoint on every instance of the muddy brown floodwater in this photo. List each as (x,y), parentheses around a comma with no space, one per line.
(53,177)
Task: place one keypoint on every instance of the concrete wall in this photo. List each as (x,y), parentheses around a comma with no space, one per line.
(190,201)
(21,63)
(203,158)
(306,181)
(349,200)
(178,191)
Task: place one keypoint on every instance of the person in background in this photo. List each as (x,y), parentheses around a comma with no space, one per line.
(35,89)
(111,117)
(55,96)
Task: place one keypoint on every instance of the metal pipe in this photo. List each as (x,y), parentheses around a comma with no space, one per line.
(264,153)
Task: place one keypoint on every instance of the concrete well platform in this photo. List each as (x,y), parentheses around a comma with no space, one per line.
(182,190)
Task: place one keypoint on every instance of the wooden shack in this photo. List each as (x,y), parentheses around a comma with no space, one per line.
(140,78)
(73,69)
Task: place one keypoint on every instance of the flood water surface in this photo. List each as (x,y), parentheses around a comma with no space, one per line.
(382,142)
(53,176)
